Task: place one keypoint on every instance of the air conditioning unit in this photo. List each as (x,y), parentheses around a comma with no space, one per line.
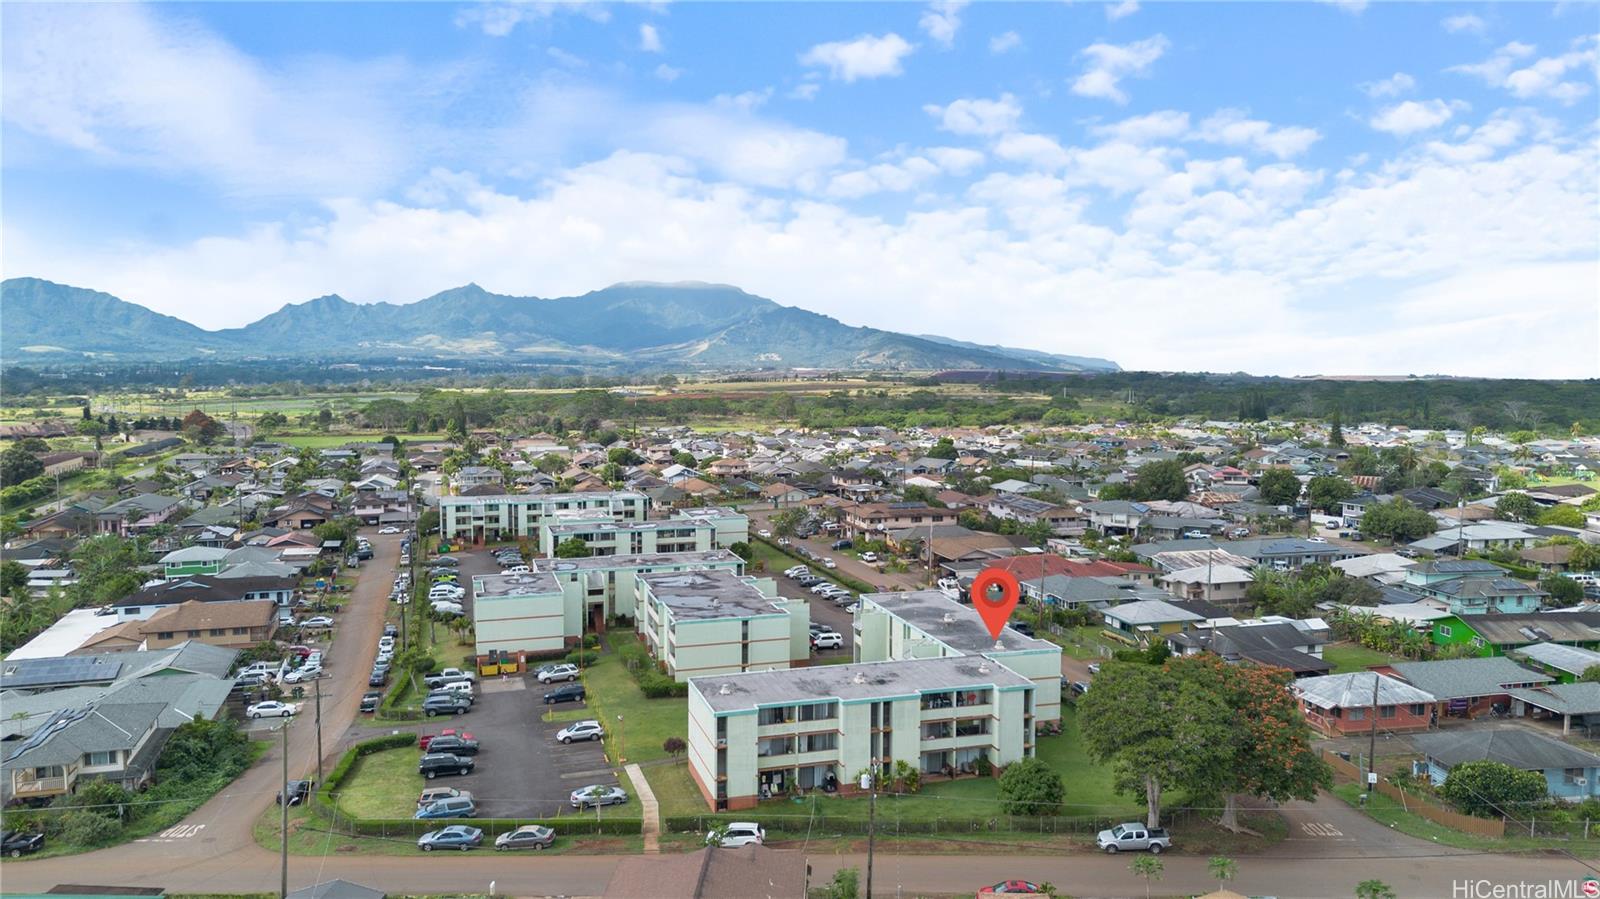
(1580,781)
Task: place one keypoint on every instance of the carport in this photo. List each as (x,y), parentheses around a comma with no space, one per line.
(1573,703)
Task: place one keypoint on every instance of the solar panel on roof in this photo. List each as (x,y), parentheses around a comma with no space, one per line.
(67,670)
(56,724)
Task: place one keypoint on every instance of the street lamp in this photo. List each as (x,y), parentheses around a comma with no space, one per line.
(621,741)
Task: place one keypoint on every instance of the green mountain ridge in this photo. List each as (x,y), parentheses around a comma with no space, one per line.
(694,325)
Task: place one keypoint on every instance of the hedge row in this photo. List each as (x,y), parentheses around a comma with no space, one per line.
(831,574)
(889,824)
(347,762)
(393,698)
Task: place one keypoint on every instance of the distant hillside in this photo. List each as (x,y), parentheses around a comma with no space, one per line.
(688,325)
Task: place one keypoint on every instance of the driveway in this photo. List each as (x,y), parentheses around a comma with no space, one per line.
(849,565)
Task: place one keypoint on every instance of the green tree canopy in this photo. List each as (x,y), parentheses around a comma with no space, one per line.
(1561,516)
(572,548)
(1398,521)
(1491,789)
(1279,487)
(18,465)
(1516,507)
(1031,787)
(1160,480)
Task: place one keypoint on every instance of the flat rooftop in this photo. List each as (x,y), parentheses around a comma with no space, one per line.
(492,586)
(644,560)
(706,512)
(954,624)
(706,595)
(853,683)
(627,526)
(539,497)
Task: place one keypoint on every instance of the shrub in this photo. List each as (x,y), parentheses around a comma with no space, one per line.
(582,657)
(674,746)
(85,828)
(1031,787)
(590,641)
(844,885)
(1487,789)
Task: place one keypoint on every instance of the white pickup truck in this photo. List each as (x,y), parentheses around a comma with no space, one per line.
(449,676)
(1133,837)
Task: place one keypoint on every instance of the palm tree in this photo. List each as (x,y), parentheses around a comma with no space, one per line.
(1223,869)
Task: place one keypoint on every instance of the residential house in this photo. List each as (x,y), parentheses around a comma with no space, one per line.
(1564,664)
(1144,620)
(1278,643)
(1342,704)
(231,625)
(136,514)
(761,734)
(1224,584)
(1467,688)
(193,560)
(477,476)
(873,519)
(1570,773)
(1486,595)
(782,495)
(1116,517)
(1029,511)
(204,588)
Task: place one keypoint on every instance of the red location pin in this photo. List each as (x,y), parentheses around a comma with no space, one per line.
(995,610)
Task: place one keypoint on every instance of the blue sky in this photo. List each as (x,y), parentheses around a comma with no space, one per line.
(1286,188)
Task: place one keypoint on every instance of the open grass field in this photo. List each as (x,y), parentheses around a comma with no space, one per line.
(1346,657)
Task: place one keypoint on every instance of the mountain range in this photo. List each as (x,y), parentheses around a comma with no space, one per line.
(682,325)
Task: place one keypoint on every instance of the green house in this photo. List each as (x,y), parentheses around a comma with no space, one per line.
(193,560)
(1499,634)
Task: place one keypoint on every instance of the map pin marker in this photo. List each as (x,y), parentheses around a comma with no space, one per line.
(995,610)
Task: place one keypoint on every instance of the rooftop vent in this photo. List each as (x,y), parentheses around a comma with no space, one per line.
(724,690)
(860,678)
(949,618)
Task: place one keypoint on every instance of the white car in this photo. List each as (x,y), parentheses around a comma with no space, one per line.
(385,642)
(581,730)
(302,674)
(448,608)
(821,588)
(318,621)
(869,558)
(272,709)
(736,834)
(796,571)
(1316,539)
(446,593)
(827,640)
(828,563)
(517,569)
(391,529)
(853,608)
(764,532)
(552,673)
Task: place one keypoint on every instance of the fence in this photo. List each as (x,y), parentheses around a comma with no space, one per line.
(1420,804)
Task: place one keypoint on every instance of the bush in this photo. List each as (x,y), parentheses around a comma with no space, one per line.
(582,657)
(674,746)
(844,885)
(1031,787)
(590,641)
(1489,789)
(85,828)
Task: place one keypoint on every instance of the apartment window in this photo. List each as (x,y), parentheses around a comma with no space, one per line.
(819,711)
(1572,775)
(164,635)
(49,771)
(722,729)
(241,631)
(775,746)
(777,715)
(937,701)
(972,697)
(972,727)
(218,631)
(937,730)
(819,742)
(1357,715)
(99,759)
(1418,709)
(1387,711)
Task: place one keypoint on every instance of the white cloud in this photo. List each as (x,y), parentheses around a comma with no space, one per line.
(1038,150)
(118,83)
(649,38)
(1544,77)
(805,90)
(894,177)
(1353,7)
(867,56)
(941,20)
(1412,116)
(1466,22)
(1233,128)
(747,101)
(977,116)
(570,60)
(1121,10)
(1393,86)
(955,160)
(1163,125)
(667,73)
(1108,64)
(1004,42)
(500,19)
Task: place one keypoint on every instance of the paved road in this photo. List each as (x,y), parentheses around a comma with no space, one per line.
(915,579)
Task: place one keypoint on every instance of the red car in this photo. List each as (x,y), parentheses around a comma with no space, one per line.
(301,651)
(1011,888)
(425,739)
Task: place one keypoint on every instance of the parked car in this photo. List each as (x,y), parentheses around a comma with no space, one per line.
(391,630)
(456,836)
(447,561)
(565,693)
(1010,887)
(764,533)
(841,544)
(299,791)
(829,563)
(434,764)
(549,674)
(853,608)
(16,844)
(448,808)
(250,680)
(1239,533)
(426,740)
(1021,627)
(370,701)
(434,794)
(1078,688)
(389,529)
(597,795)
(455,745)
(317,621)
(448,676)
(528,836)
(272,709)
(1316,539)
(446,704)
(738,833)
(518,568)
(379,676)
(1094,667)
(588,729)
(827,640)
(460,689)
(1133,837)
(869,558)
(302,674)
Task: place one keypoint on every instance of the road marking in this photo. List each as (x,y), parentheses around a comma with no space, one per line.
(175,833)
(1318,829)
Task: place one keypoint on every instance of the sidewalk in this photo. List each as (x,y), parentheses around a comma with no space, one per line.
(650,809)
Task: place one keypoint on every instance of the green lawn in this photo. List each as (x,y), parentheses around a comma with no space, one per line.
(383,785)
(675,790)
(646,723)
(1347,657)
(1082,642)
(1089,790)
(1387,811)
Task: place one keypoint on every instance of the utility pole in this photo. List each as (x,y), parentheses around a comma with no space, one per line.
(283,803)
(870,781)
(318,683)
(1372,735)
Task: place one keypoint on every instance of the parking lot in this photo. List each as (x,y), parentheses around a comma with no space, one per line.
(823,611)
(522,771)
